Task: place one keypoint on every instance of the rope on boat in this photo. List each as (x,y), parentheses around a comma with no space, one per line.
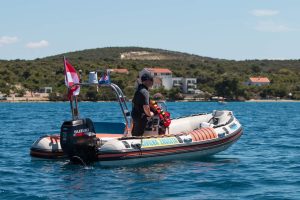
(80,159)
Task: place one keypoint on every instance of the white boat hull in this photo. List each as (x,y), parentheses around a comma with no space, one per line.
(181,156)
(188,137)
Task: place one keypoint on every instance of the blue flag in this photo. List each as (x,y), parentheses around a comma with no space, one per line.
(105,79)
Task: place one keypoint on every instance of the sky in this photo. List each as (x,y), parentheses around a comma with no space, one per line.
(225,29)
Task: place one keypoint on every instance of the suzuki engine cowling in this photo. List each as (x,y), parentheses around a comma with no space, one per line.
(78,140)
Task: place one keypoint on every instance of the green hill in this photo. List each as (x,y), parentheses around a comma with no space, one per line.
(214,76)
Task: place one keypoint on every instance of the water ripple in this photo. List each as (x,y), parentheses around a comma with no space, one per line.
(263,164)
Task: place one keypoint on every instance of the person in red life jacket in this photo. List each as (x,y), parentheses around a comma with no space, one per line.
(141,105)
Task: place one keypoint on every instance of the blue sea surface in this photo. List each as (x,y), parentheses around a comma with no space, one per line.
(263,164)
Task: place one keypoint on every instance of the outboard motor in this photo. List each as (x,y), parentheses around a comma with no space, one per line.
(78,140)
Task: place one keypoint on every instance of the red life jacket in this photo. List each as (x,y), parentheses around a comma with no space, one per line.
(164,116)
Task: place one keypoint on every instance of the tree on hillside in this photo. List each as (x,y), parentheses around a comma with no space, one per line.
(91,94)
(255,68)
(32,86)
(26,74)
(174,94)
(228,88)
(49,72)
(4,88)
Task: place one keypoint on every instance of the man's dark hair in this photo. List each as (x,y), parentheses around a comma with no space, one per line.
(146,77)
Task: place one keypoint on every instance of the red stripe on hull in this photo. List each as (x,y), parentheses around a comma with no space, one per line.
(45,154)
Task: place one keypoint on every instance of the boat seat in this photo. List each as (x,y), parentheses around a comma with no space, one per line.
(221,117)
(218,113)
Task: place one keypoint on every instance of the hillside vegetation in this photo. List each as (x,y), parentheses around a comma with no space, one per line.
(214,76)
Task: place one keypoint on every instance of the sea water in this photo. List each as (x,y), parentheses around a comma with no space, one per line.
(263,164)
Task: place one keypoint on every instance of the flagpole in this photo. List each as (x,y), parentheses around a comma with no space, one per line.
(76,112)
(71,99)
(72,107)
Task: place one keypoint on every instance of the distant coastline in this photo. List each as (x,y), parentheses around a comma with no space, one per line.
(43,99)
(272,100)
(25,99)
(215,77)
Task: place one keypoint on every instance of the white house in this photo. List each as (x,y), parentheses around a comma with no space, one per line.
(189,85)
(45,90)
(177,82)
(165,75)
(163,78)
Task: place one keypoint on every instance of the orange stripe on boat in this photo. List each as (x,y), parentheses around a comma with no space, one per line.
(193,137)
(197,136)
(213,132)
(206,133)
(210,133)
(202,133)
(107,135)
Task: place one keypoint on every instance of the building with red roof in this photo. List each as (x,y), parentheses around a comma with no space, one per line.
(159,71)
(164,74)
(163,78)
(258,81)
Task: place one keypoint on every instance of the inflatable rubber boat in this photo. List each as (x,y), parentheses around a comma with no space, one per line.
(191,136)
(110,143)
